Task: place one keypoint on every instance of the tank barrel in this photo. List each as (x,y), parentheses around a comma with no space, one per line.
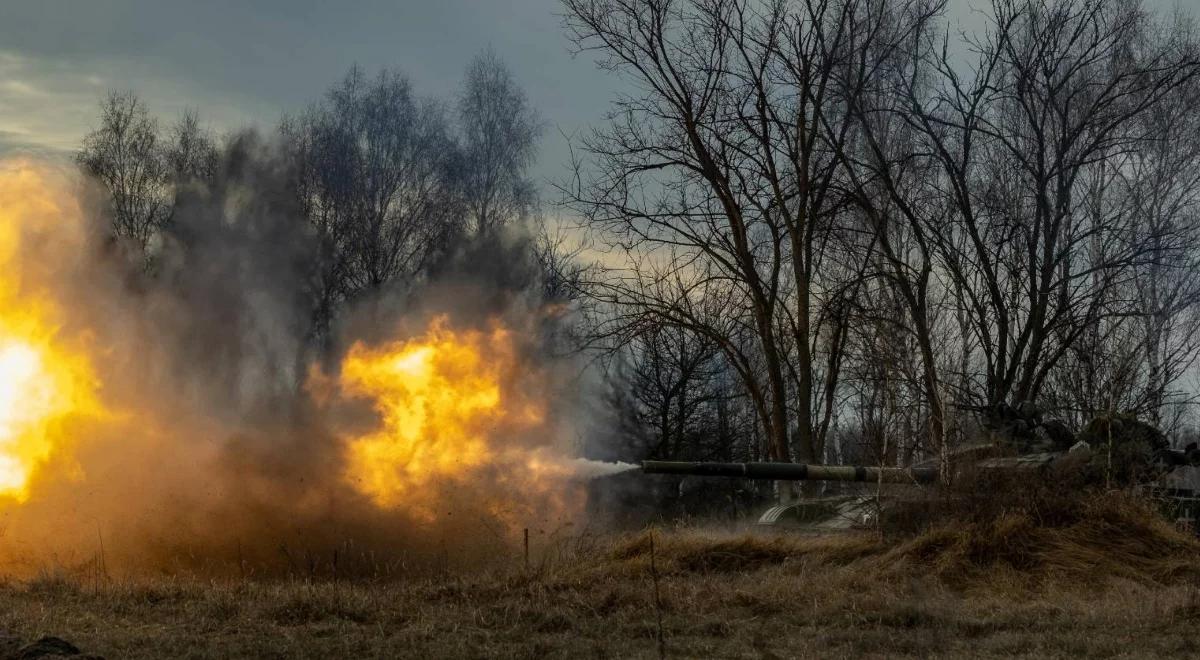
(793,471)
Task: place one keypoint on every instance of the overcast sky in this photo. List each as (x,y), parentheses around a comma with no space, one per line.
(246,62)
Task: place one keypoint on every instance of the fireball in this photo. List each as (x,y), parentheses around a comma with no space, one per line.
(440,399)
(43,384)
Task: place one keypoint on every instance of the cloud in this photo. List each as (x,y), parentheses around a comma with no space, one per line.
(43,104)
(21,144)
(48,103)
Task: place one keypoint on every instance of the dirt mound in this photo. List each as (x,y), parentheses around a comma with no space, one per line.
(1078,541)
(1108,536)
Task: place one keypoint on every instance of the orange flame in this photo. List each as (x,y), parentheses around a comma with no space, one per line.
(441,399)
(43,383)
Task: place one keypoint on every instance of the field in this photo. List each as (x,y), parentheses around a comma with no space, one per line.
(1115,585)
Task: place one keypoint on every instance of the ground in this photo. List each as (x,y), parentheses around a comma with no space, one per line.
(720,595)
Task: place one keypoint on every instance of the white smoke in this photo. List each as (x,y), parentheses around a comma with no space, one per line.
(584,468)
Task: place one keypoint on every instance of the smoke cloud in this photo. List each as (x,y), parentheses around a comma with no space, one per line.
(221,442)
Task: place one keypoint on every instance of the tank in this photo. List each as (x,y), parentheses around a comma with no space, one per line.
(812,513)
(1143,457)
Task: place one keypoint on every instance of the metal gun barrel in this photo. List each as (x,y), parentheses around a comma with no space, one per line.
(793,471)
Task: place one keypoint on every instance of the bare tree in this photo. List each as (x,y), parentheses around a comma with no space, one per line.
(192,153)
(727,161)
(125,154)
(1055,93)
(890,180)
(1135,361)
(377,176)
(672,378)
(1162,188)
(500,134)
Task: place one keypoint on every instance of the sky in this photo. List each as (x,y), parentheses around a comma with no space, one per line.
(244,63)
(247,63)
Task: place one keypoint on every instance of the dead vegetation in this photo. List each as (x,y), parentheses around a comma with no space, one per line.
(1110,580)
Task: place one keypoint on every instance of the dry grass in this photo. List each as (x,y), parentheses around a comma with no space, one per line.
(1110,582)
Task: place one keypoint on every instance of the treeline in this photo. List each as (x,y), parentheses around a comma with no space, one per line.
(831,226)
(382,181)
(816,229)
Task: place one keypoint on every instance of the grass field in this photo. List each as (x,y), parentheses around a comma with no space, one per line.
(1115,586)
